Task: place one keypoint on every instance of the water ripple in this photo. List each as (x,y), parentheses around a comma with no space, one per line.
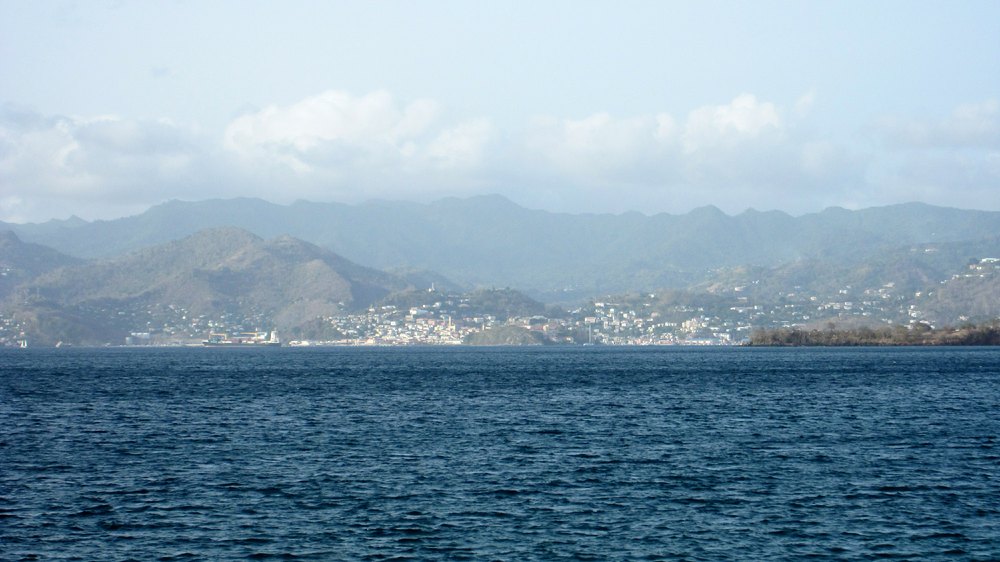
(469,454)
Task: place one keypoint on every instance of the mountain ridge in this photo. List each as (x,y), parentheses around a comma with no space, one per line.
(488,240)
(228,278)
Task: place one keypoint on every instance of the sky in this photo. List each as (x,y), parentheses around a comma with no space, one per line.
(109,107)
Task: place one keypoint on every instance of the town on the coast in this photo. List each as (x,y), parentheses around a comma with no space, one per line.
(728,316)
(484,271)
(631,320)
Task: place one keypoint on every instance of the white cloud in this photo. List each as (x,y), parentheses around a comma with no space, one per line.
(343,147)
(599,147)
(81,155)
(666,127)
(345,135)
(743,119)
(330,146)
(735,155)
(461,147)
(61,164)
(371,120)
(40,151)
(968,126)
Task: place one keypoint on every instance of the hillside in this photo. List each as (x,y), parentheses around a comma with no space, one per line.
(505,335)
(216,278)
(971,297)
(21,262)
(490,241)
(230,280)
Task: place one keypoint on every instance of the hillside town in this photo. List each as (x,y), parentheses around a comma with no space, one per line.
(644,319)
(725,316)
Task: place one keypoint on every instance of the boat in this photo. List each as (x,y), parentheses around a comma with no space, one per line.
(244,339)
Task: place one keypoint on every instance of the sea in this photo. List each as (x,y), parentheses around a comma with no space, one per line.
(582,453)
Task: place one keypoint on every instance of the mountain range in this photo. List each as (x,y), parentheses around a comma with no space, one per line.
(490,241)
(248,262)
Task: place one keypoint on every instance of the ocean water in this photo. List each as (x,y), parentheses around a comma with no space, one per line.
(500,454)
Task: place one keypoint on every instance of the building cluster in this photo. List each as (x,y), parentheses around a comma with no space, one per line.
(724,317)
(389,325)
(636,320)
(12,331)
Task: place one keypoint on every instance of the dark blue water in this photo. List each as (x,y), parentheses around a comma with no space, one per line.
(500,454)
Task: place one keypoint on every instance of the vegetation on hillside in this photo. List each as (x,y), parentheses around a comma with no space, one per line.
(918,334)
(505,335)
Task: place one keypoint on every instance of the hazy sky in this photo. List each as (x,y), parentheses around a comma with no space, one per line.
(109,107)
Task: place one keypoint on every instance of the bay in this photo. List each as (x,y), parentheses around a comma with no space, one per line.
(499,454)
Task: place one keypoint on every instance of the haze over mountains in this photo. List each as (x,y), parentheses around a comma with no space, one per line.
(490,241)
(252,263)
(22,262)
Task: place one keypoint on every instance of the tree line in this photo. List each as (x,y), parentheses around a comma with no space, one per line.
(918,334)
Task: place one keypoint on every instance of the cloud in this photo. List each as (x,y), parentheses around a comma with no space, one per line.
(373,121)
(462,146)
(337,131)
(738,154)
(952,160)
(746,152)
(107,153)
(661,146)
(87,163)
(330,146)
(335,141)
(743,119)
(969,126)
(600,148)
